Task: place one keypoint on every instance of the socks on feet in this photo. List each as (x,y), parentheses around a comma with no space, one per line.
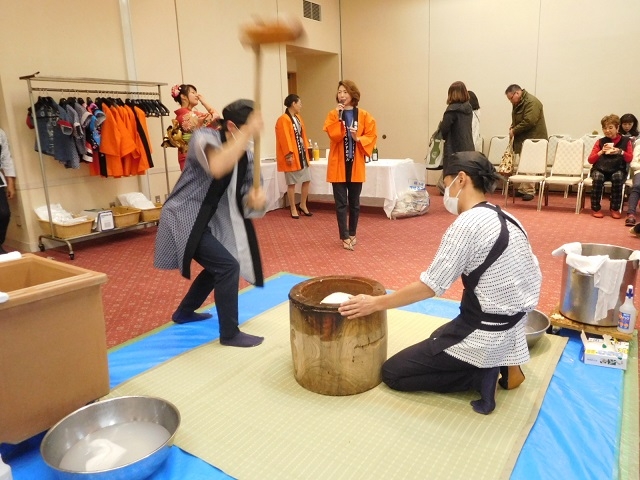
(242,340)
(487,402)
(181,317)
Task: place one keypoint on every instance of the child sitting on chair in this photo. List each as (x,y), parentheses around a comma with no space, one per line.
(610,158)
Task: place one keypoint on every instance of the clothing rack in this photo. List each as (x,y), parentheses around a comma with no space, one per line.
(30,79)
(103,92)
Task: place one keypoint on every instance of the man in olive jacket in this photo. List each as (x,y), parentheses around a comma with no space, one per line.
(527,121)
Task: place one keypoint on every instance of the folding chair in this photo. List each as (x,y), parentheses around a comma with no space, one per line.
(497,146)
(566,170)
(551,149)
(532,167)
(589,141)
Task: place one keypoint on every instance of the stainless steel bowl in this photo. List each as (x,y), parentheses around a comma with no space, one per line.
(77,425)
(535,327)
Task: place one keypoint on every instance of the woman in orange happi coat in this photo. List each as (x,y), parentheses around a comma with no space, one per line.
(291,154)
(352,135)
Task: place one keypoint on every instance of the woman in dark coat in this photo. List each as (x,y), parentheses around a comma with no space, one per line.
(456,121)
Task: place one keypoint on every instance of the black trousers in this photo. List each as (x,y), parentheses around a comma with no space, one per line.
(413,370)
(222,275)
(5,214)
(347,198)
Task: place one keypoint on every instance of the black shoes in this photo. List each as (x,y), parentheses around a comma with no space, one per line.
(526,197)
(307,213)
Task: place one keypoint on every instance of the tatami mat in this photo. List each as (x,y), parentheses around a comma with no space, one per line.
(243,411)
(629,438)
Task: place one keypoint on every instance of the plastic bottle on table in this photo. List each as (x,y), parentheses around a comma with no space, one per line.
(374,155)
(316,151)
(310,150)
(627,313)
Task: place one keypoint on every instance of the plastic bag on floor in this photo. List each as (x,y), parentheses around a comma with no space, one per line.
(412,202)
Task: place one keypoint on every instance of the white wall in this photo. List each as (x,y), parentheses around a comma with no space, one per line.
(405,54)
(32,40)
(385,51)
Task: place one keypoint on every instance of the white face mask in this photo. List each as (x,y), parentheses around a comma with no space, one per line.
(250,143)
(451,203)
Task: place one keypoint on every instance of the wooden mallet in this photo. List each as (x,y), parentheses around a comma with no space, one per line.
(255,35)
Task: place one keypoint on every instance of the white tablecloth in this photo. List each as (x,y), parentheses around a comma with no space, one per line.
(386,179)
(273,184)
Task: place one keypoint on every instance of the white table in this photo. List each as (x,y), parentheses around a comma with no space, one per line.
(273,184)
(386,179)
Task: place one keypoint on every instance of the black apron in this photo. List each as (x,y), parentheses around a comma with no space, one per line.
(471,316)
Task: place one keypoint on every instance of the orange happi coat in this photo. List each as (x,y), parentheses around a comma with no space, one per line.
(286,143)
(367,133)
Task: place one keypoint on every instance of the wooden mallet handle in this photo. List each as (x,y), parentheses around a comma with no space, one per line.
(255,35)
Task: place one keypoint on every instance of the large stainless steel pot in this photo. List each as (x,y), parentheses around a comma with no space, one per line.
(578,295)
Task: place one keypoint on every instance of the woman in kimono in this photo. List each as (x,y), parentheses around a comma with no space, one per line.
(489,249)
(188,118)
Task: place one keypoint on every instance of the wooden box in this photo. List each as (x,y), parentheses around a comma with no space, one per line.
(53,349)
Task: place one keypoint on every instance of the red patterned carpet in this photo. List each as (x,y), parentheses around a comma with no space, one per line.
(139,298)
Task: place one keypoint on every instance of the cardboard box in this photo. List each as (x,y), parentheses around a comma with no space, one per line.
(103,219)
(53,349)
(604,352)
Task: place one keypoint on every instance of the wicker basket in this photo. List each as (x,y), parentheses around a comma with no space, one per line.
(125,216)
(67,231)
(151,214)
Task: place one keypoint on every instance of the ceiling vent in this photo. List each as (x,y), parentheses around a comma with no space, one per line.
(311,10)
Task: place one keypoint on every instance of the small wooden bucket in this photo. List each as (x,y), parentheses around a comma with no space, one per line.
(333,355)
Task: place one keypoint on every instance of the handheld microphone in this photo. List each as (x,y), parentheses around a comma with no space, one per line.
(340,114)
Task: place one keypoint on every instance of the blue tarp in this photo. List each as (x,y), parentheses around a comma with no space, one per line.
(576,434)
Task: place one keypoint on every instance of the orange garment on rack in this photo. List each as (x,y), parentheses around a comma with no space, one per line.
(121,143)
(131,159)
(127,144)
(145,162)
(110,143)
